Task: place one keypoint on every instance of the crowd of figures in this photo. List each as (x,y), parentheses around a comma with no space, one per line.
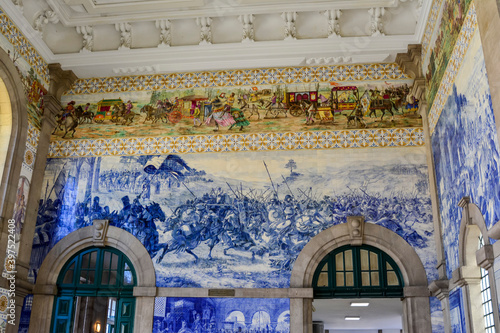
(261,223)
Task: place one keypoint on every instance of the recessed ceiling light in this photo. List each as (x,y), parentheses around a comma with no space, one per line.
(352,318)
(360,303)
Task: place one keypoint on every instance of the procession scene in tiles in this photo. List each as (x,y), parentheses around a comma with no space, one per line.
(255,108)
(214,315)
(237,220)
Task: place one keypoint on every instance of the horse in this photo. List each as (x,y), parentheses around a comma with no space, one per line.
(120,111)
(67,123)
(83,116)
(252,108)
(384,105)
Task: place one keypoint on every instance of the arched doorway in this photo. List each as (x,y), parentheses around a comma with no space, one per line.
(358,287)
(79,241)
(95,293)
(415,306)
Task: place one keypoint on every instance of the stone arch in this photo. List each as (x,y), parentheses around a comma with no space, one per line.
(46,288)
(9,175)
(416,307)
(471,259)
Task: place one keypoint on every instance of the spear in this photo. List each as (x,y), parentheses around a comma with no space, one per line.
(269,175)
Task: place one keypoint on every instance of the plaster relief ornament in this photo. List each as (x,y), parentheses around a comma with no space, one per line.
(376,25)
(19,4)
(290,31)
(165,34)
(205,30)
(43,19)
(333,16)
(126,35)
(248,32)
(88,37)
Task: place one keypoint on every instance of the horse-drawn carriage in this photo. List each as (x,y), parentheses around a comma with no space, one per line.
(104,109)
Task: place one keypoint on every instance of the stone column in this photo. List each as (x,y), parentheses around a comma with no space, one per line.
(488,19)
(301,315)
(416,309)
(60,81)
(144,308)
(469,278)
(440,290)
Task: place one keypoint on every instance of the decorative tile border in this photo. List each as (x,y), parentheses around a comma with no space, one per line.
(397,137)
(235,78)
(456,59)
(432,22)
(24,47)
(33,134)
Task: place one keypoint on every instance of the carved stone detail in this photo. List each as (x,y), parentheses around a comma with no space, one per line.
(376,24)
(205,24)
(60,80)
(356,225)
(44,18)
(333,16)
(100,231)
(411,64)
(248,32)
(125,30)
(440,289)
(290,30)
(88,37)
(165,33)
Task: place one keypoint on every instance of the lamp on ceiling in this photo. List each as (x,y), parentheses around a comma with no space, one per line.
(97,327)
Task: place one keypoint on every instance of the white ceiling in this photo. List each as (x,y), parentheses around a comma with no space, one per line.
(368,31)
(382,314)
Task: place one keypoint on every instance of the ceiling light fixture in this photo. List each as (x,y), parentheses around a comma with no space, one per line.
(352,318)
(360,303)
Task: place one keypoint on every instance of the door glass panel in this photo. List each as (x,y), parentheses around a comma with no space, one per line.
(365,279)
(373,261)
(339,262)
(375,279)
(323,279)
(340,279)
(392,279)
(348,260)
(364,260)
(349,279)
(68,277)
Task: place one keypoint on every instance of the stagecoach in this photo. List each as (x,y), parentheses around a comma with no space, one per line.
(104,109)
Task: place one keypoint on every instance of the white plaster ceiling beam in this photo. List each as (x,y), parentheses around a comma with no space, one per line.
(165,33)
(290,29)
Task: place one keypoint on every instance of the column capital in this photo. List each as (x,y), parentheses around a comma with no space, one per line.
(60,80)
(440,289)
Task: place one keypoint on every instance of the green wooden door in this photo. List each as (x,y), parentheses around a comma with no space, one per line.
(125,318)
(63,314)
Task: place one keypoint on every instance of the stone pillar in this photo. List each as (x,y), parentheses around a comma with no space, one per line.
(416,309)
(301,315)
(469,279)
(145,301)
(41,315)
(485,259)
(488,20)
(440,290)
(60,81)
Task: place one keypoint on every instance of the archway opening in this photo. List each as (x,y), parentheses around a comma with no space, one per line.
(358,288)
(5,124)
(95,293)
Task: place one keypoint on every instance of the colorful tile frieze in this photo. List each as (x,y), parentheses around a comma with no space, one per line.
(399,137)
(430,27)
(456,59)
(33,135)
(235,78)
(23,47)
(445,37)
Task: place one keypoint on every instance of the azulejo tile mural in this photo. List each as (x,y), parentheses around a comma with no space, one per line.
(236,220)
(465,148)
(212,315)
(468,30)
(452,19)
(21,47)
(367,96)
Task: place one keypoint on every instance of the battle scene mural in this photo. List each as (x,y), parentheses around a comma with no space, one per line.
(265,100)
(465,148)
(211,315)
(237,220)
